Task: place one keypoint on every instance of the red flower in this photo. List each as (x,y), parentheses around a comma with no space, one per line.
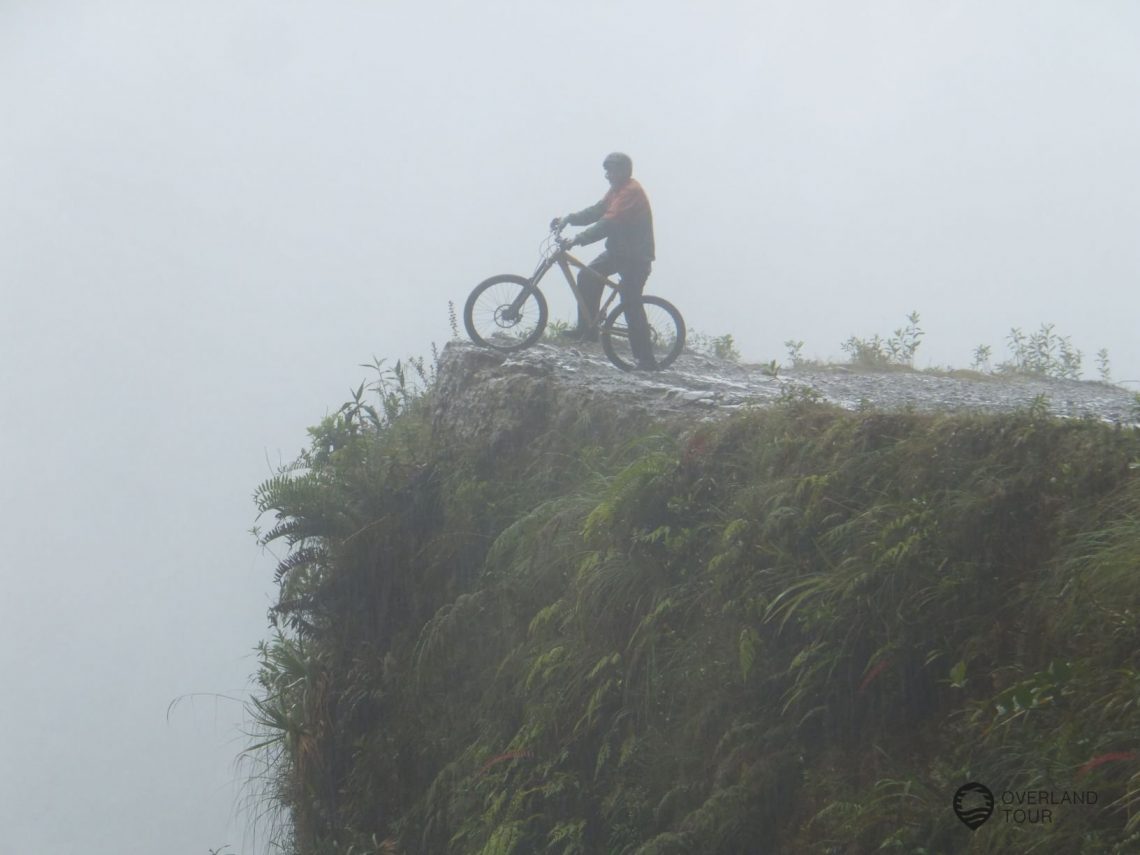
(499,758)
(695,448)
(1104,758)
(873,673)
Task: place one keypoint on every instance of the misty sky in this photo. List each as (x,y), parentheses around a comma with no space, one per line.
(212,212)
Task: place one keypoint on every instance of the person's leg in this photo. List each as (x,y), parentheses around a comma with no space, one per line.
(591,288)
(632,284)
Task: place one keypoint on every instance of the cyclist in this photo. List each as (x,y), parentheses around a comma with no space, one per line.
(623,217)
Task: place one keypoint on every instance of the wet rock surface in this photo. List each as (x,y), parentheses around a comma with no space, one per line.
(484,393)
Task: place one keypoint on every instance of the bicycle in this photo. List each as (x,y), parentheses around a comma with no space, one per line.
(509,313)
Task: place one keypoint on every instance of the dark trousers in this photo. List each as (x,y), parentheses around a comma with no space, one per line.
(631,282)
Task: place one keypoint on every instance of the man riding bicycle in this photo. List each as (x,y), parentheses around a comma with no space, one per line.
(623,217)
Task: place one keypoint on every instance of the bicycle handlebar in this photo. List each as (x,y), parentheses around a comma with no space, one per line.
(552,244)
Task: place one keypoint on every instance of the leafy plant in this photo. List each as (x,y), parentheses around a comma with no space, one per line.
(721,347)
(453,320)
(1102,366)
(1044,353)
(982,355)
(879,353)
(795,352)
(557,329)
(724,347)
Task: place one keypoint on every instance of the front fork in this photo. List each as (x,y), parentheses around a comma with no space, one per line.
(512,313)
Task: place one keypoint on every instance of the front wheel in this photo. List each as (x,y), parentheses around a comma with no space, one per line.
(666,334)
(505,313)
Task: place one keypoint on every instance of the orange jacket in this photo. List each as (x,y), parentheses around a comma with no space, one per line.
(623,217)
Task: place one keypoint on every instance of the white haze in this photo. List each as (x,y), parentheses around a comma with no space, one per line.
(211,212)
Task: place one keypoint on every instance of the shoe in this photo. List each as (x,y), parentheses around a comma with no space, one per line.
(647,365)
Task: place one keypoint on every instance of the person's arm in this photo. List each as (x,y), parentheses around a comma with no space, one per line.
(599,230)
(587,215)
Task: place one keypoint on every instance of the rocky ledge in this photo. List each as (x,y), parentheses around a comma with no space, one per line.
(556,381)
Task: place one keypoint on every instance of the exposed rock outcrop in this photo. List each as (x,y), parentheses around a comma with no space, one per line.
(549,383)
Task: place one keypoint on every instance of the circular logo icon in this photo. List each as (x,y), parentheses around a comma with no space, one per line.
(973,804)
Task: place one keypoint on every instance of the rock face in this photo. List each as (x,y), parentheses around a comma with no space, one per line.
(490,396)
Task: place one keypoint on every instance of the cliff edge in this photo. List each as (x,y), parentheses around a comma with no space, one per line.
(546,607)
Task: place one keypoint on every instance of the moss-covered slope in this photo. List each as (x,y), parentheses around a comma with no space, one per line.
(796,630)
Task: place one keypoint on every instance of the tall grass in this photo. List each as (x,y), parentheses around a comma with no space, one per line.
(802,627)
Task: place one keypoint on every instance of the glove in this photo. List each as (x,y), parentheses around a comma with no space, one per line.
(556,225)
(566,243)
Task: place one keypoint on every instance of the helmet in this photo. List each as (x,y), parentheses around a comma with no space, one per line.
(621,163)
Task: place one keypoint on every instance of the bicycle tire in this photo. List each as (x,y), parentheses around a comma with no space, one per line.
(489,326)
(666,332)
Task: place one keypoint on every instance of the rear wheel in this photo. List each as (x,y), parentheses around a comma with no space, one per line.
(505,313)
(666,334)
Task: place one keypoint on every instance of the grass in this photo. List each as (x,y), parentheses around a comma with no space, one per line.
(803,626)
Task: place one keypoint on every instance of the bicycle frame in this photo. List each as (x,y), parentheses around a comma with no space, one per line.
(564,261)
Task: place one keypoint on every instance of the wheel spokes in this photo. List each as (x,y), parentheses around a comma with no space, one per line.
(497,312)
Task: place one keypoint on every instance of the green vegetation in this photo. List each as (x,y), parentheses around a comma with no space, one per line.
(795,352)
(797,630)
(720,346)
(877,353)
(982,354)
(1103,368)
(453,320)
(1045,353)
(558,330)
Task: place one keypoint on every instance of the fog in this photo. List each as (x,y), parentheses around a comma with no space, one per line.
(213,212)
